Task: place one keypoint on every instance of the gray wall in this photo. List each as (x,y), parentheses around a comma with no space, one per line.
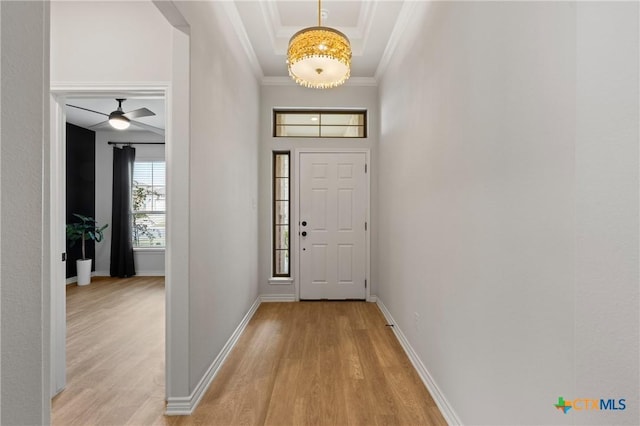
(509,174)
(607,166)
(223,216)
(24,210)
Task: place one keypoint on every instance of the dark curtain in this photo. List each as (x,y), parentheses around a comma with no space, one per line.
(121,233)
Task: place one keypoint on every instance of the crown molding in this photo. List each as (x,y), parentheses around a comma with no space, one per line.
(173,15)
(271,22)
(399,29)
(236,22)
(365,23)
(367,12)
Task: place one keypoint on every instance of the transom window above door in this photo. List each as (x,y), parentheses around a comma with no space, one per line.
(320,123)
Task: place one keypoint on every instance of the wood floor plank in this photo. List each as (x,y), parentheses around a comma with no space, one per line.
(306,363)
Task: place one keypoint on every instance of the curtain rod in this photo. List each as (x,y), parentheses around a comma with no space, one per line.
(136,143)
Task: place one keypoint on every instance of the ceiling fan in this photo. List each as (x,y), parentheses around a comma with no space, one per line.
(121,120)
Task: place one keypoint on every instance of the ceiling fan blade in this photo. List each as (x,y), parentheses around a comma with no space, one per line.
(153,129)
(141,112)
(87,109)
(99,125)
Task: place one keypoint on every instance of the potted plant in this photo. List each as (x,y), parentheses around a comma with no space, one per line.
(84,230)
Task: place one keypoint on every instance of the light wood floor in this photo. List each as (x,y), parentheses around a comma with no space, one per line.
(115,353)
(307,363)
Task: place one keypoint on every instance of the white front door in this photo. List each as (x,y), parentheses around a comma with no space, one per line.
(333,212)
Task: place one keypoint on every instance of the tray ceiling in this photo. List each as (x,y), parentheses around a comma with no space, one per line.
(269,24)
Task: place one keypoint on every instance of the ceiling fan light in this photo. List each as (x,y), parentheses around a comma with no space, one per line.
(117,120)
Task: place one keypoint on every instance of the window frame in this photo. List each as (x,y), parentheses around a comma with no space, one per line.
(319,125)
(275,225)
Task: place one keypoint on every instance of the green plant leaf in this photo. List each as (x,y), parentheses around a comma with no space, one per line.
(87,229)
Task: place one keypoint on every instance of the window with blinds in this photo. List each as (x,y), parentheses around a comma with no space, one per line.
(149,204)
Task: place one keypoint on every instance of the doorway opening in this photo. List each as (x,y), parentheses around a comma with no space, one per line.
(88,109)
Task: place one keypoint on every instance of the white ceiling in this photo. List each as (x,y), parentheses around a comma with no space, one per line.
(92,120)
(269,24)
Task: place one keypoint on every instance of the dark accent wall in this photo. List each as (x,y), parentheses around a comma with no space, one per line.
(81,187)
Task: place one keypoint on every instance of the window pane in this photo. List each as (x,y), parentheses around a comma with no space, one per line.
(282,213)
(299,131)
(149,229)
(298,118)
(281,189)
(281,262)
(282,237)
(343,119)
(342,132)
(281,166)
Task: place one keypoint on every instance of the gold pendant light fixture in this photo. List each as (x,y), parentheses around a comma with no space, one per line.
(319,57)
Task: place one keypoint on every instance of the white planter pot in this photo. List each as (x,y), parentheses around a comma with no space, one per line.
(84,271)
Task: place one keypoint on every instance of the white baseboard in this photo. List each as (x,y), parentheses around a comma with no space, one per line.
(149,273)
(445,408)
(181,406)
(73,280)
(372,298)
(278,298)
(138,274)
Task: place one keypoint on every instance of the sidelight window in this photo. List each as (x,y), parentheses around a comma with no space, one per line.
(281,214)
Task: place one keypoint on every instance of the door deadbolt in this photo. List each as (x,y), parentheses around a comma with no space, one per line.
(304,223)
(304,233)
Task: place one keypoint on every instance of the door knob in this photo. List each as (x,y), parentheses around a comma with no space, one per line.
(304,223)
(304,233)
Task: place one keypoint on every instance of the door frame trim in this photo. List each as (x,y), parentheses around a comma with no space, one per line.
(58,94)
(295,199)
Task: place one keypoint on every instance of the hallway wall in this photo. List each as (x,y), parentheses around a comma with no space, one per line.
(509,174)
(24,213)
(223,217)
